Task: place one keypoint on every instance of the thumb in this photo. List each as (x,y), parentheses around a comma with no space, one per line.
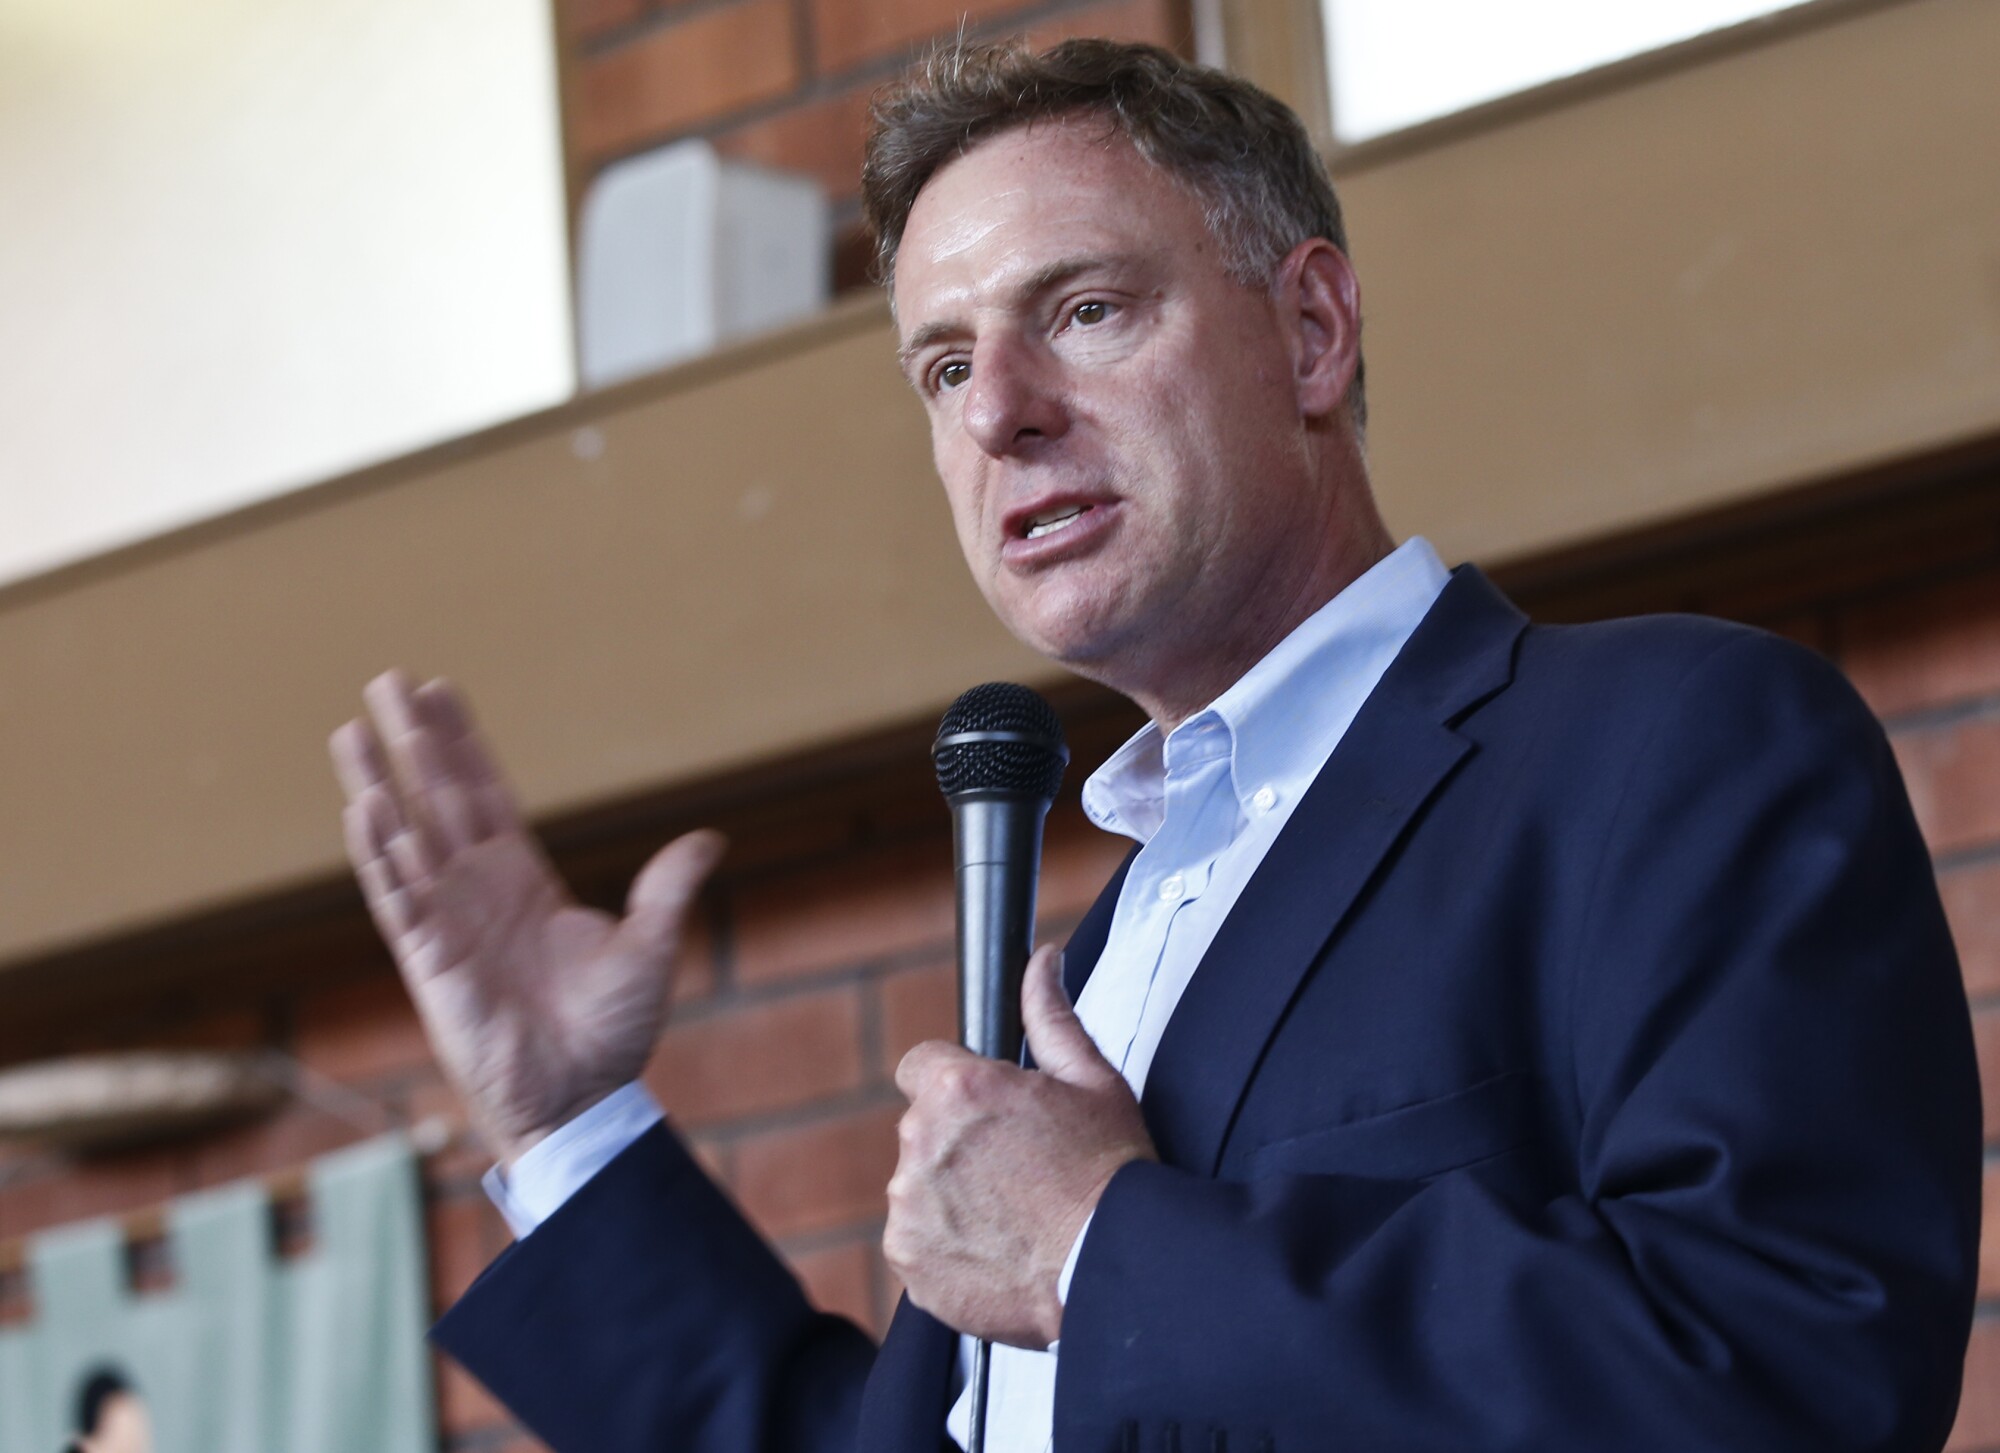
(1056,1037)
(657,906)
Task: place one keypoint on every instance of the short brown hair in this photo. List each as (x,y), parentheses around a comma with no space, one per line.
(1243,154)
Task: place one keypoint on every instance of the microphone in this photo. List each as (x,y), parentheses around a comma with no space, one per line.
(1000,757)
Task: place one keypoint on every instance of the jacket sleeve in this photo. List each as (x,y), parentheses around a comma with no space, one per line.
(1764,1234)
(647,1316)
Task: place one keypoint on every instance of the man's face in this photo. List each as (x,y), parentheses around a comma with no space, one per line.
(1112,414)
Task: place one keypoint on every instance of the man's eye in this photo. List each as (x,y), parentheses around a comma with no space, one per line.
(954,374)
(1089,313)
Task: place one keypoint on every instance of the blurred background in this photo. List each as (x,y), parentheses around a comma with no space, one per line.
(531,344)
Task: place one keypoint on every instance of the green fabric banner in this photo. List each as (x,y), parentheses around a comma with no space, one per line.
(246,1353)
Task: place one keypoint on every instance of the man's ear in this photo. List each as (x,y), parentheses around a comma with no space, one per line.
(1320,300)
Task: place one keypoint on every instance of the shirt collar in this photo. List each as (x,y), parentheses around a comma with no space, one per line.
(1282,719)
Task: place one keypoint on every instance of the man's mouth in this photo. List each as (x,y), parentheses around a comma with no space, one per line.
(1054,520)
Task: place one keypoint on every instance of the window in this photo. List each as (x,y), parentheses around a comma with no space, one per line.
(252,243)
(1395,63)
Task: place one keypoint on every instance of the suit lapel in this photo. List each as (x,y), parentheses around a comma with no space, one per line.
(1399,750)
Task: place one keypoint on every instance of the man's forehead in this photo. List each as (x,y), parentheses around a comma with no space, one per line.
(1037,159)
(1021,206)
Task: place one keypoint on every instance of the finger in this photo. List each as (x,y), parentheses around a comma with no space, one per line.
(358,762)
(488,797)
(656,909)
(417,766)
(925,1062)
(396,837)
(395,909)
(389,903)
(1056,1037)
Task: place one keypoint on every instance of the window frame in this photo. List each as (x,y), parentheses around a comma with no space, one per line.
(1281,45)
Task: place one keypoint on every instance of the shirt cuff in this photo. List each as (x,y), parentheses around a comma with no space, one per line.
(1069,1266)
(557,1166)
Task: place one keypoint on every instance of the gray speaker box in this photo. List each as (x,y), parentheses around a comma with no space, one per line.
(679,250)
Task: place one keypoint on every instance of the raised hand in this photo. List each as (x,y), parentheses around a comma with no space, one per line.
(1000,1167)
(535,1006)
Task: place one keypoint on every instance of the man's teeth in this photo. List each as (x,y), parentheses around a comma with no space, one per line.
(1048,524)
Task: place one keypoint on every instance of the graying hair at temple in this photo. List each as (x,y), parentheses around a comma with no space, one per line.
(1243,154)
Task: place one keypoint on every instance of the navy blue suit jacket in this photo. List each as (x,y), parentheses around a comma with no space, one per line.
(1586,1070)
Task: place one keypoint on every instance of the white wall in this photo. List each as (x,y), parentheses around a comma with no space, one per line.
(245,244)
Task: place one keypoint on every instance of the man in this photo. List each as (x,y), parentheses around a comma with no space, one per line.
(1504,1037)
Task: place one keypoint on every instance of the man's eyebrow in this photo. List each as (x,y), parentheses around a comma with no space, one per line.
(1041,280)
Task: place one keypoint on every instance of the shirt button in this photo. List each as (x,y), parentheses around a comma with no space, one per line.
(1264,799)
(1172,888)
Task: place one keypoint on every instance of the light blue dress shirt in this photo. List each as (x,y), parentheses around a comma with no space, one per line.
(1205,802)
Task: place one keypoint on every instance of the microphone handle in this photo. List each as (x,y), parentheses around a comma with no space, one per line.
(997,842)
(997,846)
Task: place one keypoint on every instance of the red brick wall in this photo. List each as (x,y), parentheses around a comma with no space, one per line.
(1928,660)
(810,974)
(824,953)
(786,82)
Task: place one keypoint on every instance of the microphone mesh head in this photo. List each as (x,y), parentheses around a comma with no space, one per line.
(1031,768)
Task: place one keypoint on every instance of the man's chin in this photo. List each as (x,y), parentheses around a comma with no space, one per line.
(1090,653)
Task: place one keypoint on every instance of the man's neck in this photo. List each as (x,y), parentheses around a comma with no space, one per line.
(1189,685)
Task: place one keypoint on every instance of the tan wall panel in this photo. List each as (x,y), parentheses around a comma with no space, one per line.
(759,559)
(1774,266)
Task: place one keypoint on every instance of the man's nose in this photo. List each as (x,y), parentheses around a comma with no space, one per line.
(1013,399)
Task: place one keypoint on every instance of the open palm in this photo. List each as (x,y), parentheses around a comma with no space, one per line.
(536,1006)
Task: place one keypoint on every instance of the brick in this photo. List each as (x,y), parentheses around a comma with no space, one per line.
(365,1030)
(464,1155)
(696,972)
(818,1176)
(840,1279)
(463,1403)
(716,1157)
(759,1058)
(1989,1234)
(585,18)
(892,1294)
(706,66)
(1929,649)
(821,140)
(464,1233)
(283,1141)
(847,32)
(1953,773)
(1972,903)
(1978,1425)
(77,1191)
(1986,1040)
(1156,22)
(223,1029)
(845,914)
(1077,861)
(917,1004)
(1810,629)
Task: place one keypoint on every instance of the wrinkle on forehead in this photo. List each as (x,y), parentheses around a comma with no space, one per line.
(966,230)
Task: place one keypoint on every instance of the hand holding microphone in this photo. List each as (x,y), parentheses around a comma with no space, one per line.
(1000,1167)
